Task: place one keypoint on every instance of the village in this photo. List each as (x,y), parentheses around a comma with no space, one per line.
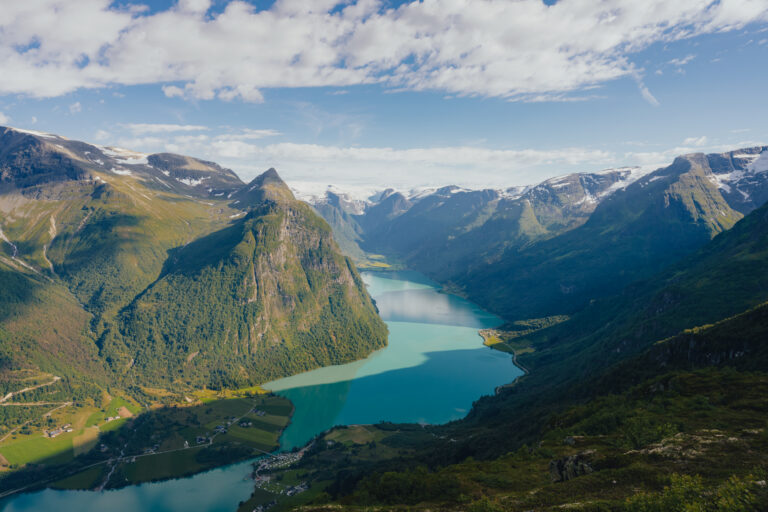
(267,483)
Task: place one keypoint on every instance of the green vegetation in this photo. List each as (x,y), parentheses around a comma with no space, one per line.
(139,291)
(203,322)
(84,480)
(654,399)
(621,452)
(162,443)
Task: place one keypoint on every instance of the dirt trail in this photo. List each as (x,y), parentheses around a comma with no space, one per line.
(30,388)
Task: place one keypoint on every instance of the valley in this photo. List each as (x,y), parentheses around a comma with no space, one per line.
(383,256)
(166,328)
(413,379)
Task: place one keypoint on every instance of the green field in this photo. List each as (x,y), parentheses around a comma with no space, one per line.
(83,480)
(35,448)
(157,444)
(165,465)
(177,429)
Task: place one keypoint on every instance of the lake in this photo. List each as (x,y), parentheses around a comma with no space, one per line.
(434,367)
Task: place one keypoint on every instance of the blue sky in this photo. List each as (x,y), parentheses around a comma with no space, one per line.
(370,94)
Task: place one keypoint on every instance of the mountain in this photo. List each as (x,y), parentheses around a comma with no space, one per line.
(342,215)
(650,399)
(550,249)
(95,239)
(268,296)
(742,177)
(631,234)
(29,158)
(452,230)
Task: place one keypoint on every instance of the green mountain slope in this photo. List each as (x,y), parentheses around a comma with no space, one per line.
(104,235)
(449,231)
(266,297)
(632,234)
(659,423)
(43,326)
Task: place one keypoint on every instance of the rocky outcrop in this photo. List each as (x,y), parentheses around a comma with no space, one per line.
(567,468)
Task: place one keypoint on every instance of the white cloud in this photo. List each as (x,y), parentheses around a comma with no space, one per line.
(250,134)
(695,141)
(75,107)
(646,94)
(515,50)
(102,135)
(372,166)
(142,128)
(679,62)
(315,166)
(4,119)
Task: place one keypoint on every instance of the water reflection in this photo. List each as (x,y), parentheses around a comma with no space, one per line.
(434,367)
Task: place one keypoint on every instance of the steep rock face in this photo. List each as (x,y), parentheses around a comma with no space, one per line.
(341,215)
(269,296)
(27,160)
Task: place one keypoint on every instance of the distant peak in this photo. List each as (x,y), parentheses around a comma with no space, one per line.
(269,185)
(268,177)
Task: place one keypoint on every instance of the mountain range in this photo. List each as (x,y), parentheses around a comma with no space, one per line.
(550,249)
(634,299)
(649,396)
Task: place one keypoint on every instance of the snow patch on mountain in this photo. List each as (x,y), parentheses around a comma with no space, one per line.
(759,164)
(37,134)
(315,193)
(193,182)
(125,156)
(632,174)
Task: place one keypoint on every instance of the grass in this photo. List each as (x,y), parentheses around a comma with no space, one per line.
(161,429)
(81,481)
(498,340)
(166,465)
(35,448)
(255,437)
(85,441)
(355,434)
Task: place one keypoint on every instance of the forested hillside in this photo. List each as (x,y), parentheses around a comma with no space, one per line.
(652,399)
(166,271)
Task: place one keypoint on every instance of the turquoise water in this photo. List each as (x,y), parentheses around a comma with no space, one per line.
(434,367)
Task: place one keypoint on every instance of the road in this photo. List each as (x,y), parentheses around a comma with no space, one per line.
(30,388)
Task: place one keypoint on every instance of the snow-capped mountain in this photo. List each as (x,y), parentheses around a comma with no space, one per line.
(31,157)
(742,176)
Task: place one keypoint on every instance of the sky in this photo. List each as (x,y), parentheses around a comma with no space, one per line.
(371,94)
